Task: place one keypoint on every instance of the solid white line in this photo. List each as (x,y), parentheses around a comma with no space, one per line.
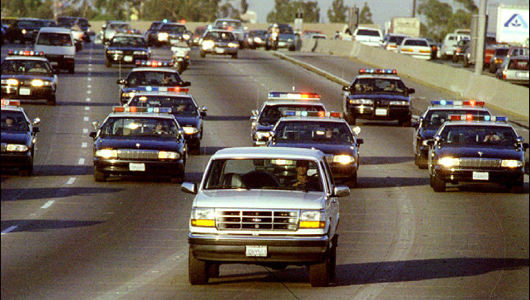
(71,180)
(8,230)
(48,204)
(81,161)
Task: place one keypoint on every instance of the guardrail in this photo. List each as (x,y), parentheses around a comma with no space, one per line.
(504,96)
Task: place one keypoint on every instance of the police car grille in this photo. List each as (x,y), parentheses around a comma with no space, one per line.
(257,220)
(471,162)
(137,154)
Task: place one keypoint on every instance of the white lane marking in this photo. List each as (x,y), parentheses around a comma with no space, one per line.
(81,161)
(89,86)
(71,180)
(86,119)
(84,144)
(87,99)
(48,204)
(85,130)
(87,108)
(89,79)
(89,92)
(8,230)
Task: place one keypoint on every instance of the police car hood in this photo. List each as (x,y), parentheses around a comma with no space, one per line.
(152,143)
(327,148)
(261,199)
(487,152)
(27,77)
(187,120)
(15,137)
(128,48)
(381,95)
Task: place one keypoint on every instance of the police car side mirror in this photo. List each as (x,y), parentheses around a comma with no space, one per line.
(360,141)
(121,81)
(411,91)
(203,111)
(36,129)
(181,133)
(188,187)
(428,142)
(525,146)
(341,191)
(92,134)
(255,112)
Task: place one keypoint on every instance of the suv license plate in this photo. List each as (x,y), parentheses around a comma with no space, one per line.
(136,167)
(381,112)
(256,251)
(480,176)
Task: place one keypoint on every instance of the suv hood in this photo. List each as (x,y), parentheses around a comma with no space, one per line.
(259,199)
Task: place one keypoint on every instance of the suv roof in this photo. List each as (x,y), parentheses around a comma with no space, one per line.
(269,152)
(55,29)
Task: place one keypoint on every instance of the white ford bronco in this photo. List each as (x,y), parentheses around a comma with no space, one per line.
(267,206)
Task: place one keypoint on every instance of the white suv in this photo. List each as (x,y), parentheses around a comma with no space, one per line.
(368,36)
(268,206)
(58,46)
(449,44)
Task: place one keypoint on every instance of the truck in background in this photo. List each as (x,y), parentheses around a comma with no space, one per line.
(404,25)
(512,24)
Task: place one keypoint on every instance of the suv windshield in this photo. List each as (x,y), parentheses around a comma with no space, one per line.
(274,174)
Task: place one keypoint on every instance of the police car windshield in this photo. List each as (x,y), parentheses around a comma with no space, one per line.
(220,36)
(153,78)
(26,67)
(176,28)
(274,174)
(179,105)
(436,117)
(307,132)
(378,85)
(14,121)
(500,136)
(272,113)
(127,41)
(128,127)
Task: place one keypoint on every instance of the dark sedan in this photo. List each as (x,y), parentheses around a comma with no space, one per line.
(126,49)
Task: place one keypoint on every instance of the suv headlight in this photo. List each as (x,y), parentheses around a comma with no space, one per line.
(202,217)
(312,219)
(511,163)
(233,45)
(107,153)
(361,101)
(449,162)
(168,155)
(16,148)
(343,159)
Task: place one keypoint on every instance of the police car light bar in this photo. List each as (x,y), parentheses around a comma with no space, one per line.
(10,102)
(458,103)
(134,109)
(378,71)
(174,89)
(470,117)
(154,63)
(25,53)
(321,114)
(293,96)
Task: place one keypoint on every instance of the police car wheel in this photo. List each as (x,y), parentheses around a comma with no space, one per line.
(26,171)
(405,123)
(516,188)
(213,270)
(234,56)
(108,64)
(353,179)
(197,270)
(99,176)
(438,184)
(431,181)
(178,179)
(51,100)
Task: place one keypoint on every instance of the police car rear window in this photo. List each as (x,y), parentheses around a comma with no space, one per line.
(179,105)
(368,32)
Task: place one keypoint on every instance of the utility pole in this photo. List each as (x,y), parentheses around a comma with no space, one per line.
(55,4)
(414,8)
(479,62)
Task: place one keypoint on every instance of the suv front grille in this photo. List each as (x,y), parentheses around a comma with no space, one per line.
(470,162)
(257,219)
(137,154)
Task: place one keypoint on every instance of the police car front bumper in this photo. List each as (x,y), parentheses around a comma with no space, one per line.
(380,113)
(26,92)
(501,176)
(222,51)
(171,168)
(16,159)
(343,170)
(280,249)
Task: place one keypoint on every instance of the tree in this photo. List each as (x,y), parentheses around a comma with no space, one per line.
(285,11)
(190,10)
(365,17)
(244,6)
(441,20)
(338,12)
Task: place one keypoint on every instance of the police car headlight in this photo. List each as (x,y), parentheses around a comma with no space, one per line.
(107,153)
(115,52)
(186,36)
(208,45)
(343,159)
(37,83)
(16,148)
(290,40)
(127,95)
(202,217)
(511,163)
(163,36)
(312,219)
(449,161)
(399,103)
(168,155)
(361,101)
(190,130)
(140,52)
(258,40)
(10,81)
(233,45)
(260,135)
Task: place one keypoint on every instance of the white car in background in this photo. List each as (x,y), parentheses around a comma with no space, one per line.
(368,36)
(449,44)
(415,47)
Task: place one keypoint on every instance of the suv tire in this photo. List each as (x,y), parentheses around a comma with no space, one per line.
(197,270)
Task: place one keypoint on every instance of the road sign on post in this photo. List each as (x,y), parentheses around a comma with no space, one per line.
(298,21)
(353,17)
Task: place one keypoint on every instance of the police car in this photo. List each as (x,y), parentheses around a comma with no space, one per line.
(377,94)
(150,73)
(325,131)
(183,107)
(434,117)
(126,49)
(139,141)
(264,119)
(219,42)
(477,150)
(19,138)
(28,75)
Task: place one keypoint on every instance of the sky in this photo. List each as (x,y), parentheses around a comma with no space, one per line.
(382,10)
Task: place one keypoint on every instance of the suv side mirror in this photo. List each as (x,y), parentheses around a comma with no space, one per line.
(188,187)
(341,191)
